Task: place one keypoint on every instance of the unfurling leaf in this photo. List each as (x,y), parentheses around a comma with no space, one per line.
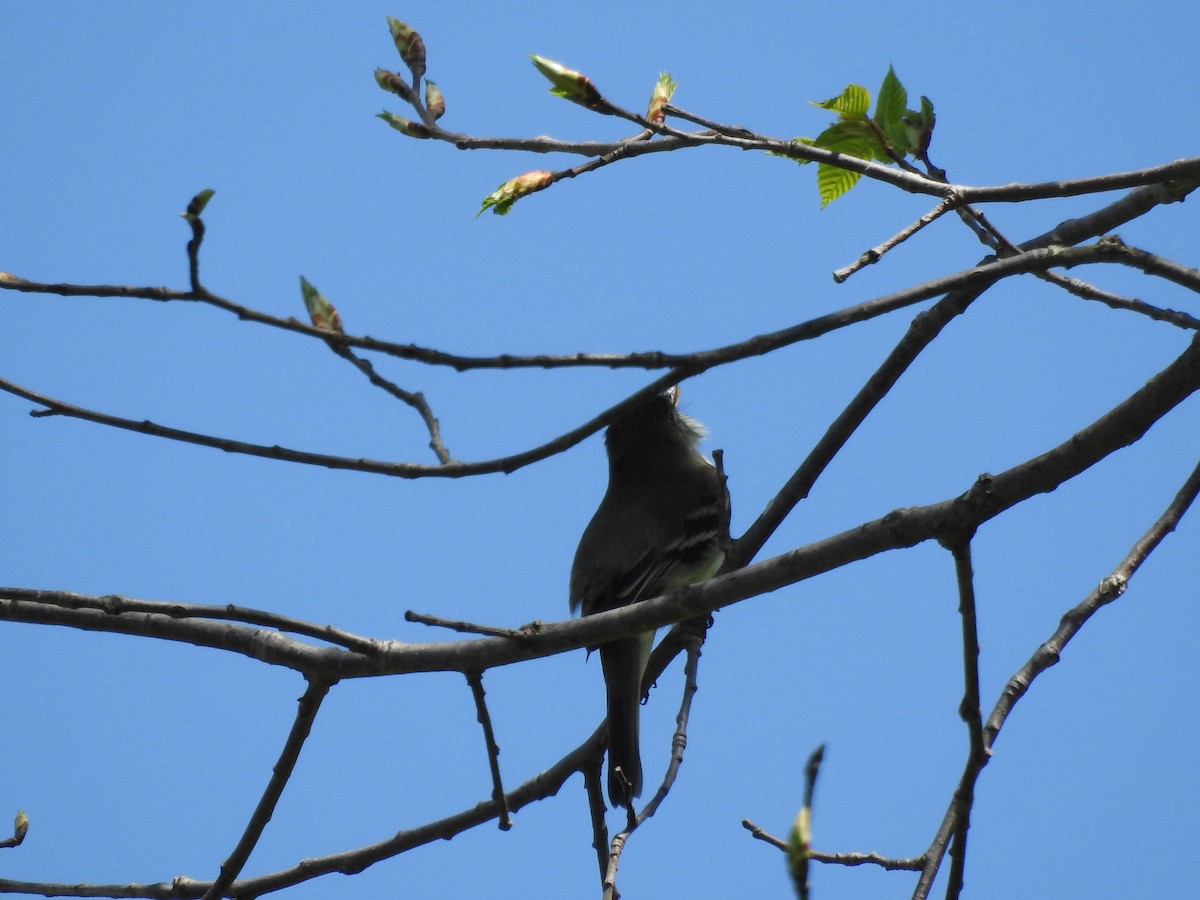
(663,91)
(852,103)
(394,82)
(404,126)
(410,45)
(890,107)
(500,201)
(320,310)
(799,843)
(434,101)
(197,204)
(568,84)
(919,126)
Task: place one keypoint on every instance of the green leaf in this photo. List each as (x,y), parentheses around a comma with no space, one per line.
(846,132)
(852,103)
(890,108)
(832,182)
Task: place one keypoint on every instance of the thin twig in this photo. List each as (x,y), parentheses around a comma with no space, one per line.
(1115,301)
(892,864)
(465,627)
(679,738)
(116,605)
(911,864)
(974,280)
(877,252)
(20,829)
(969,710)
(415,399)
(594,789)
(475,680)
(1131,206)
(505,464)
(1108,590)
(309,705)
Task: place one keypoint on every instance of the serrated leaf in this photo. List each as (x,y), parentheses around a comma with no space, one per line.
(323,313)
(853,102)
(832,182)
(890,108)
(500,201)
(567,83)
(842,132)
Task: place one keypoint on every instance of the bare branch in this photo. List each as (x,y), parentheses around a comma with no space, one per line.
(475,680)
(990,496)
(20,829)
(1108,590)
(924,329)
(505,464)
(876,253)
(1114,301)
(593,786)
(466,627)
(969,710)
(415,399)
(116,605)
(309,705)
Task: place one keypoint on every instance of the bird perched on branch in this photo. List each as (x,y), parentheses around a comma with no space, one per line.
(661,525)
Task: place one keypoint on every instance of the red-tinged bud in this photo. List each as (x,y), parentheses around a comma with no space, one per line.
(411,47)
(404,126)
(663,91)
(434,101)
(500,201)
(569,84)
(394,82)
(320,310)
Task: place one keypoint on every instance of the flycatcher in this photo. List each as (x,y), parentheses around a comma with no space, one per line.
(660,526)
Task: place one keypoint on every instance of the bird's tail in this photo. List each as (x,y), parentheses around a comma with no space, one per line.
(624,662)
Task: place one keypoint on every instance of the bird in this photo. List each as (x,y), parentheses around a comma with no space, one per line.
(662,524)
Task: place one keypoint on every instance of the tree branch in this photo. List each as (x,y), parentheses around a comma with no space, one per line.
(309,705)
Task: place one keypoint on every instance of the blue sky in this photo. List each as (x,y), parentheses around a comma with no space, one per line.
(138,760)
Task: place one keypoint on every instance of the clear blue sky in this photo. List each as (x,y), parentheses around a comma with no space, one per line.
(139,760)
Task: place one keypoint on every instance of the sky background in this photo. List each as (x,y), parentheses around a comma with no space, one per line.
(140,760)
